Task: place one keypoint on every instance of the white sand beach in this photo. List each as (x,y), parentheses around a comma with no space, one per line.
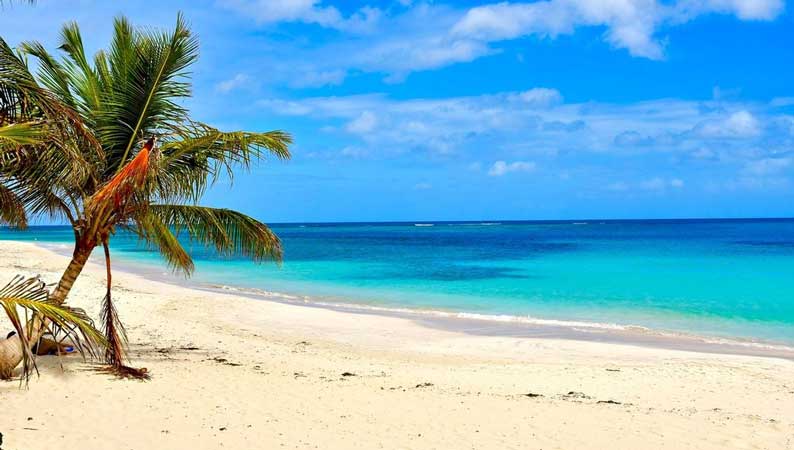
(237,373)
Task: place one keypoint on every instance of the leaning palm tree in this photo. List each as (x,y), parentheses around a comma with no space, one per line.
(127,156)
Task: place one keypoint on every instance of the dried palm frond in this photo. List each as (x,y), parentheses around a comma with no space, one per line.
(32,296)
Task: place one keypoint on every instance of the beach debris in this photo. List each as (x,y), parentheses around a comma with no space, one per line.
(125,372)
(609,402)
(189,347)
(532,395)
(224,361)
(576,395)
(612,370)
(348,374)
(299,375)
(422,385)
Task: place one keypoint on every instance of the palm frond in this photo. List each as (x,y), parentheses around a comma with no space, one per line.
(58,148)
(23,99)
(52,74)
(12,208)
(150,78)
(25,133)
(153,231)
(228,232)
(30,294)
(116,335)
(197,154)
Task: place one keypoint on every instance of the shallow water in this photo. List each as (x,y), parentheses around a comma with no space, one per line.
(730,278)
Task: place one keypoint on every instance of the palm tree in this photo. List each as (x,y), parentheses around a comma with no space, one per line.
(125,154)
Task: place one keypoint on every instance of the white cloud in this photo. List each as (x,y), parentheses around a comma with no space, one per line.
(354,152)
(780,102)
(743,9)
(500,168)
(233,83)
(511,128)
(306,11)
(630,24)
(364,123)
(769,166)
(428,35)
(653,184)
(400,56)
(540,97)
(740,124)
(423,186)
(660,184)
(743,123)
(311,79)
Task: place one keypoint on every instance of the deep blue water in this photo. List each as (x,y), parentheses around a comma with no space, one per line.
(715,277)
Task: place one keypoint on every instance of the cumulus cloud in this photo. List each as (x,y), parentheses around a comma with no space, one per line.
(500,168)
(423,186)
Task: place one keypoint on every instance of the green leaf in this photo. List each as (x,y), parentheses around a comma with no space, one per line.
(31,294)
(228,232)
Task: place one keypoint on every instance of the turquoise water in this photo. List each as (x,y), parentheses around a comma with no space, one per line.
(732,278)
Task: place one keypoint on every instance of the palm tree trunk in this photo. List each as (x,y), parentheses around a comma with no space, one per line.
(11,348)
(79,258)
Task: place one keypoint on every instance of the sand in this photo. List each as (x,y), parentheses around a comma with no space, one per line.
(238,373)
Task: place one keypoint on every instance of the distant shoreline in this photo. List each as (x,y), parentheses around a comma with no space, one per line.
(670,220)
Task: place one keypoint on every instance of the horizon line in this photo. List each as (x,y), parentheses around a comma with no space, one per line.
(493,221)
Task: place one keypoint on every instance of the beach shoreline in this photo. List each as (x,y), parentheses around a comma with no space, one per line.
(233,372)
(481,324)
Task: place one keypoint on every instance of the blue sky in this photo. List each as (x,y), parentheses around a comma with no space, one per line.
(411,110)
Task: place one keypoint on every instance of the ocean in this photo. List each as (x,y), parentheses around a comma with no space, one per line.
(718,278)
